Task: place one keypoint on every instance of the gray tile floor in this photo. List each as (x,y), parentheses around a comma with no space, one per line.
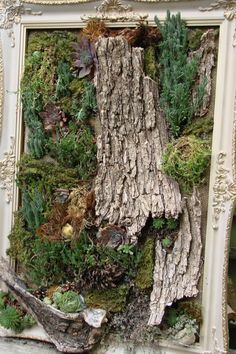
(21,346)
(12,346)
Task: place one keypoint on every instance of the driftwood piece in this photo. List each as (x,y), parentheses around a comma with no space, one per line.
(130,185)
(69,332)
(206,55)
(176,274)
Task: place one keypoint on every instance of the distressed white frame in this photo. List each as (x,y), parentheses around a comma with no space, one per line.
(222,194)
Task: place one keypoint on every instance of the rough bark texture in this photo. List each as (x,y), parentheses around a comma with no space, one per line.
(69,332)
(206,54)
(176,274)
(129,185)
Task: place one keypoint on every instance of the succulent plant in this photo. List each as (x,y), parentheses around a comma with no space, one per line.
(52,117)
(68,302)
(85,57)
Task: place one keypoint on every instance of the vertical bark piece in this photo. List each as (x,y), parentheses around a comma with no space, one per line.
(176,274)
(69,332)
(206,54)
(130,186)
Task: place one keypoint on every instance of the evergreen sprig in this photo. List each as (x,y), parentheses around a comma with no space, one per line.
(177,74)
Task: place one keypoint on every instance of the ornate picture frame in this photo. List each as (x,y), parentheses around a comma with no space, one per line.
(19,16)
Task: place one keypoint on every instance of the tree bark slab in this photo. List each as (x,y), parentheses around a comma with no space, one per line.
(69,332)
(206,55)
(176,274)
(130,185)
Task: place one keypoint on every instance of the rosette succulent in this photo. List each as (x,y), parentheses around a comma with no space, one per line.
(85,57)
(68,302)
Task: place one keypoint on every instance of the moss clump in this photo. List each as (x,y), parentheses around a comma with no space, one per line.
(192,308)
(48,263)
(150,63)
(20,240)
(194,38)
(112,300)
(186,160)
(91,266)
(59,40)
(201,128)
(46,78)
(144,277)
(76,149)
(51,175)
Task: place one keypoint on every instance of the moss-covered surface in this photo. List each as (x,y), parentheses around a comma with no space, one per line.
(186,160)
(150,62)
(20,239)
(194,38)
(112,300)
(144,277)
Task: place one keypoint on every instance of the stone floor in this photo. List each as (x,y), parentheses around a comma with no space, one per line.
(21,346)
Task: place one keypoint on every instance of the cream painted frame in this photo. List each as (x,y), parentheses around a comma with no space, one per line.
(222,197)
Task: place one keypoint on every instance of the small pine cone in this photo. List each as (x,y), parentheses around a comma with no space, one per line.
(40,293)
(102,277)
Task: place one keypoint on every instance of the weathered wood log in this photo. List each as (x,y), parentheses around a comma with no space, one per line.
(69,332)
(130,185)
(176,274)
(206,55)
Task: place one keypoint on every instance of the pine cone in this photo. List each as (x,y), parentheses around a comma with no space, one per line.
(102,277)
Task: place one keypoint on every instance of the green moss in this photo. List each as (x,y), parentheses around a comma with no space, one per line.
(112,300)
(76,149)
(32,172)
(150,63)
(46,78)
(59,40)
(48,263)
(144,277)
(186,160)
(192,308)
(201,128)
(194,38)
(20,240)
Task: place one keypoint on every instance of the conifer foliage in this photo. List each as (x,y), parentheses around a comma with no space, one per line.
(177,73)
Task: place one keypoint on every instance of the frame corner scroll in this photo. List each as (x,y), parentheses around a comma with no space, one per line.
(228,5)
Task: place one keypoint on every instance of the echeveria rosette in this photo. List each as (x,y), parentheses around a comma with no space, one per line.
(85,57)
(69,301)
